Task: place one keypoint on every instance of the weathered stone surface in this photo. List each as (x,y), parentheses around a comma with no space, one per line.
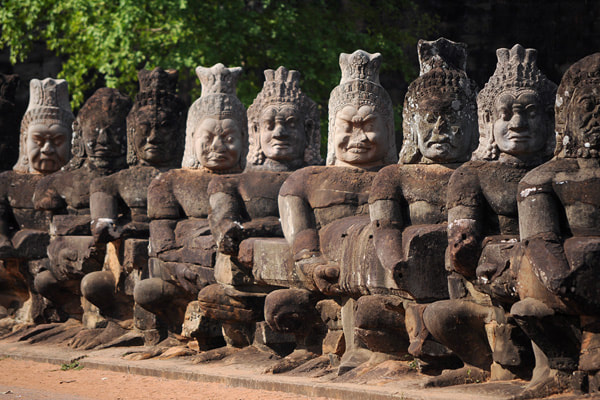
(273,263)
(118,202)
(515,125)
(559,204)
(284,135)
(45,143)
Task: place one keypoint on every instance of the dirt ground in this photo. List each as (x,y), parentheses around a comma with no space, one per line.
(27,380)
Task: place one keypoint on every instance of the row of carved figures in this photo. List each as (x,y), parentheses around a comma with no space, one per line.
(477,246)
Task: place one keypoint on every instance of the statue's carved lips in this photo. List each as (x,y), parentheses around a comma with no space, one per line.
(522,136)
(152,149)
(280,145)
(217,156)
(358,148)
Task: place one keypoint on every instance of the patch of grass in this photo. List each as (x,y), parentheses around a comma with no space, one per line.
(74,365)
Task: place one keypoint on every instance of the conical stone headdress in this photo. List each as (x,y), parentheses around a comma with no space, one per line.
(158,92)
(48,104)
(360,86)
(516,71)
(442,65)
(218,100)
(282,86)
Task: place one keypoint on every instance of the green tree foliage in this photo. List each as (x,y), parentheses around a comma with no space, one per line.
(105,42)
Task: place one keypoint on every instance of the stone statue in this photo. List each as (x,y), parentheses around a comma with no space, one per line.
(407,205)
(559,220)
(324,208)
(284,135)
(515,126)
(118,202)
(9,121)
(99,145)
(182,250)
(45,146)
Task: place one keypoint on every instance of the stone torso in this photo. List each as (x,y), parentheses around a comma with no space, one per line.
(67,191)
(332,192)
(577,187)
(257,190)
(420,190)
(17,192)
(131,187)
(179,194)
(490,188)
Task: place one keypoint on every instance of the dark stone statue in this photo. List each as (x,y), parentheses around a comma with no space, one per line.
(99,145)
(118,202)
(408,203)
(284,135)
(515,126)
(45,145)
(559,219)
(182,249)
(324,208)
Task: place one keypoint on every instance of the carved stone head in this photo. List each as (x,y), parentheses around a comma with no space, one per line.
(578,110)
(516,109)
(440,107)
(283,124)
(155,122)
(216,134)
(45,128)
(361,122)
(9,121)
(99,131)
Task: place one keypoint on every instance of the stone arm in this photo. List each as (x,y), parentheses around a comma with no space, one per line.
(226,221)
(46,197)
(539,227)
(387,223)
(104,210)
(299,227)
(300,230)
(466,209)
(164,212)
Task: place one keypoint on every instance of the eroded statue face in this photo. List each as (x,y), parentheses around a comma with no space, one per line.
(583,118)
(155,135)
(444,134)
(360,137)
(282,134)
(519,126)
(48,146)
(104,139)
(218,143)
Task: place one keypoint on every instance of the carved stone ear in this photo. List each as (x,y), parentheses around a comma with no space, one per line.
(309,125)
(77,146)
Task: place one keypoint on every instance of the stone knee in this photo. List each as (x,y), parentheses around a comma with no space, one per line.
(154,293)
(380,323)
(47,285)
(557,335)
(460,326)
(99,289)
(229,305)
(290,310)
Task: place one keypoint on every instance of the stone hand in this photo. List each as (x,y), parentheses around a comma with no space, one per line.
(326,278)
(230,238)
(187,279)
(105,230)
(464,250)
